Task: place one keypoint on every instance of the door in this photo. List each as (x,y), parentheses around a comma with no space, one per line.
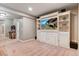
(64,39)
(42,36)
(52,38)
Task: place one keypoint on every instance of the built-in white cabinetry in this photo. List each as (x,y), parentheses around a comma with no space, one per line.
(64,39)
(48,37)
(38,35)
(54,29)
(52,38)
(41,36)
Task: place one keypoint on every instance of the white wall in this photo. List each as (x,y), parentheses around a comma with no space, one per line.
(2,32)
(28,28)
(19,25)
(8,23)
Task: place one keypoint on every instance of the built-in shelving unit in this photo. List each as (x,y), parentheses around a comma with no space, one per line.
(54,29)
(64,22)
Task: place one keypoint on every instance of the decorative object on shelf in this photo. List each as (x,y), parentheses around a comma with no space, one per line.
(64,23)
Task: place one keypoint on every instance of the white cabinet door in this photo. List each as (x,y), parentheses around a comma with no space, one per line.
(38,35)
(64,39)
(41,36)
(52,38)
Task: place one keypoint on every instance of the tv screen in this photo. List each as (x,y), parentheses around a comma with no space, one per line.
(48,23)
(43,22)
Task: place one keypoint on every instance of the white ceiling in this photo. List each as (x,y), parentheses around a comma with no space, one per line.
(38,8)
(8,14)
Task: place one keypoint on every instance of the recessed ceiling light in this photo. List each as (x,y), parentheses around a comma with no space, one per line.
(2,15)
(29,8)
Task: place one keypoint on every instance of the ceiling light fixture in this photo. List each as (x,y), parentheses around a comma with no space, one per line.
(2,15)
(29,8)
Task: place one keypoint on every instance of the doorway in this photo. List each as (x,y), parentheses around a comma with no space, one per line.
(2,31)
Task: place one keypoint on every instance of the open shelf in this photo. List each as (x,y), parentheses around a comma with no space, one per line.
(64,23)
(64,26)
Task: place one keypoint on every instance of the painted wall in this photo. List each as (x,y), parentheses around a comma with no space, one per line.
(19,24)
(74,24)
(28,28)
(8,23)
(78,29)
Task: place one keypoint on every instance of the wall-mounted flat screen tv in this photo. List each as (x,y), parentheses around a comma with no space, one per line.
(48,23)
